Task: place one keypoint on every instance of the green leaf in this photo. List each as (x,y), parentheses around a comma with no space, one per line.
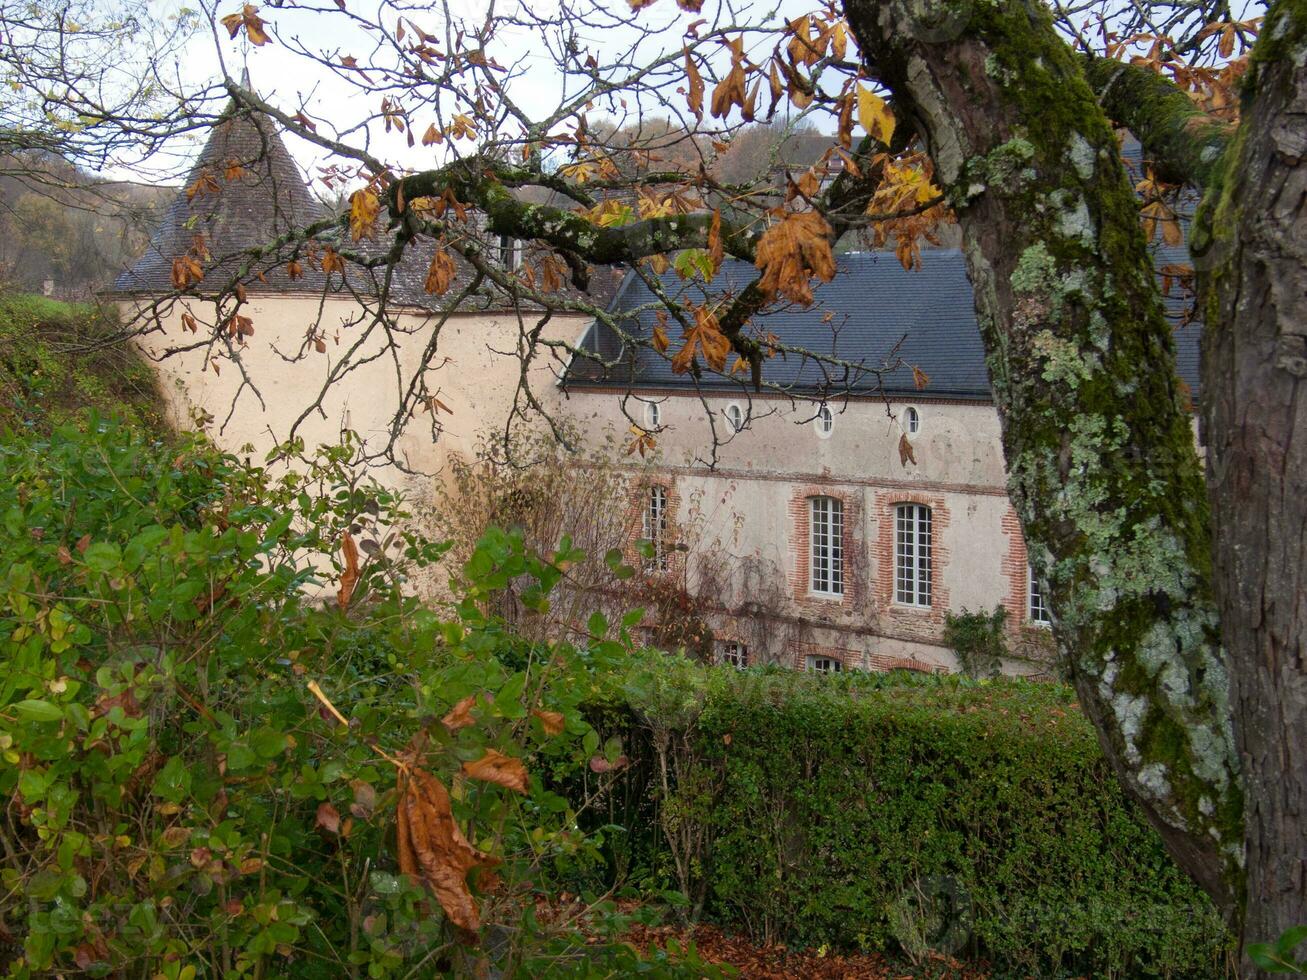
(103,556)
(38,711)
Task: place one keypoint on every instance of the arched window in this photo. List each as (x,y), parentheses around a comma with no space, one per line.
(912,548)
(911,420)
(1035,608)
(653,414)
(735,416)
(655,527)
(826,545)
(824,422)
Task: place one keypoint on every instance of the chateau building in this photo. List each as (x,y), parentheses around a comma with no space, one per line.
(831,520)
(846,550)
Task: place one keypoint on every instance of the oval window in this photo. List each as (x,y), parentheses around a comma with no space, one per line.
(912,420)
(824,423)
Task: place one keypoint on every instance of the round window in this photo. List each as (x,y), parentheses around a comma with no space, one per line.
(653,414)
(735,417)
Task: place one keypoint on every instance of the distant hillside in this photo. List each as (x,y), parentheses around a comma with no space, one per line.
(61,225)
(47,375)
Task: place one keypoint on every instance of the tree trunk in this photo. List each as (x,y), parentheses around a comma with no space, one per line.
(1251,253)
(1098,444)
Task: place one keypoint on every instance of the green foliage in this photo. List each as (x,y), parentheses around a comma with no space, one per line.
(179,802)
(923,813)
(1278,957)
(978,640)
(57,359)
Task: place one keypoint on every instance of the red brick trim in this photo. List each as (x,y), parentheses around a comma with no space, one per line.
(923,624)
(800,548)
(849,659)
(883,663)
(1015,567)
(635,521)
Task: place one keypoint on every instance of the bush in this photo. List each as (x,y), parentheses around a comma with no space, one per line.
(203,762)
(924,813)
(977,639)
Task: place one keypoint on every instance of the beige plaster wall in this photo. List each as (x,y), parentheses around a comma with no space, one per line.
(743,515)
(475,372)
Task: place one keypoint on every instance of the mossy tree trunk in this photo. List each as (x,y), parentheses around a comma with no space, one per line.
(1251,252)
(1098,442)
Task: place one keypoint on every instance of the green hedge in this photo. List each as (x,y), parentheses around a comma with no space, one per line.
(977,818)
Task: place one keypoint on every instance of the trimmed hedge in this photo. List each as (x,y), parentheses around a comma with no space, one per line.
(977,818)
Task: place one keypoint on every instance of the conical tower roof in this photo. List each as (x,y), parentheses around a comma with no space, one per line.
(245,191)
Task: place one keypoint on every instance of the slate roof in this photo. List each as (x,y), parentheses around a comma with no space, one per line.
(872,310)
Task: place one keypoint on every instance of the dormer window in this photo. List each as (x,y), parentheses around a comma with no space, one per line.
(510,252)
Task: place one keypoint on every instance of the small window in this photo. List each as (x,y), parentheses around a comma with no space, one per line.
(1038,612)
(912,554)
(653,414)
(735,417)
(510,252)
(824,421)
(826,545)
(911,420)
(735,655)
(824,665)
(655,527)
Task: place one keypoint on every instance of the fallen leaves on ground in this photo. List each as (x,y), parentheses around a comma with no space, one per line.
(776,962)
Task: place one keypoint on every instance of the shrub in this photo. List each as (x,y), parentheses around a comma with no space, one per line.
(183,801)
(977,639)
(919,812)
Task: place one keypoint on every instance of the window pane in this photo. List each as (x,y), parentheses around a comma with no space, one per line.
(826,545)
(912,554)
(655,526)
(1037,610)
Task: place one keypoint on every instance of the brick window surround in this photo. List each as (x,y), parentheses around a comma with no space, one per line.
(638,504)
(800,514)
(928,620)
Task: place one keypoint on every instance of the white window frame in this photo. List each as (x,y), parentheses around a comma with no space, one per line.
(654,526)
(826,546)
(653,414)
(735,654)
(1036,611)
(734,413)
(824,421)
(913,555)
(817,664)
(911,420)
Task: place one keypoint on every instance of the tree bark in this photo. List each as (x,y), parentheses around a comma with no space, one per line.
(1098,445)
(1250,253)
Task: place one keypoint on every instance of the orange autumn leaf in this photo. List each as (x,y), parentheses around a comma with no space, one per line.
(249,19)
(705,338)
(694,93)
(502,770)
(550,721)
(906,454)
(349,578)
(432,849)
(440,274)
(363,210)
(791,252)
(460,715)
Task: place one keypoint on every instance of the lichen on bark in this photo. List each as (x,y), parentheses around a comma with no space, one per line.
(1100,455)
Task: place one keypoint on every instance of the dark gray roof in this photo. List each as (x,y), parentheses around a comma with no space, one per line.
(874,312)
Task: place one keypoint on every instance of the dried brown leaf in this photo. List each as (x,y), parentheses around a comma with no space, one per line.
(502,770)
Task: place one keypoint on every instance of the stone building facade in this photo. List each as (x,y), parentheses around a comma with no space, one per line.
(813,538)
